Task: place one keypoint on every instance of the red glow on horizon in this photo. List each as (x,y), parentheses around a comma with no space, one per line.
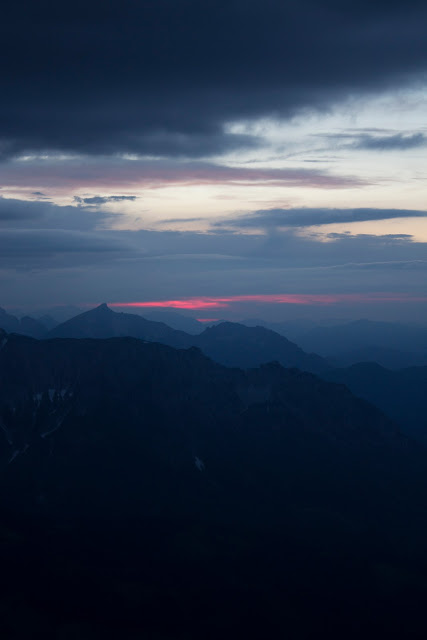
(208,302)
(207,319)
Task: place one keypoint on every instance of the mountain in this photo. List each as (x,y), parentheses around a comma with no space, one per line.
(26,325)
(334,341)
(102,322)
(236,345)
(388,358)
(228,343)
(400,394)
(176,321)
(149,492)
(60,313)
(47,321)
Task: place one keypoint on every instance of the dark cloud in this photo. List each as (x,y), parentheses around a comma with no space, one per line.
(29,215)
(152,174)
(399,142)
(370,236)
(40,195)
(99,200)
(50,257)
(16,211)
(391,264)
(307,217)
(376,140)
(162,78)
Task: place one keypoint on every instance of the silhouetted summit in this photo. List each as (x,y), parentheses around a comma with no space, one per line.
(237,345)
(229,343)
(102,322)
(26,325)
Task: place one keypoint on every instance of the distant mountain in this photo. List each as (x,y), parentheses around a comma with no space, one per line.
(402,394)
(102,322)
(364,334)
(47,321)
(388,358)
(60,313)
(292,329)
(148,492)
(26,325)
(236,345)
(176,321)
(228,343)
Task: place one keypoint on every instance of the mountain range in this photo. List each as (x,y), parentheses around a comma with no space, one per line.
(400,393)
(25,325)
(390,344)
(229,343)
(135,476)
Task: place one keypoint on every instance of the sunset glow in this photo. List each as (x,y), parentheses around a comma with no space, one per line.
(302,299)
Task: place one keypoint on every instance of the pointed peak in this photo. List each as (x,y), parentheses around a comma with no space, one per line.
(102,308)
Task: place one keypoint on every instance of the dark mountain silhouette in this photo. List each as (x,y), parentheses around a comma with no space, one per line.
(402,394)
(388,358)
(102,322)
(229,343)
(236,345)
(26,325)
(137,480)
(48,321)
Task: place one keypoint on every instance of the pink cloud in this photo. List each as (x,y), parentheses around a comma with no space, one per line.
(71,175)
(208,302)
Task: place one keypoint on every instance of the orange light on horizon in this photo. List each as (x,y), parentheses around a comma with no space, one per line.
(211,302)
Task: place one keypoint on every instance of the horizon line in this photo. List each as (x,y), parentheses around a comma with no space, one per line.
(217,302)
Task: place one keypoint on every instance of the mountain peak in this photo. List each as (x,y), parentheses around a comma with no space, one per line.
(102,308)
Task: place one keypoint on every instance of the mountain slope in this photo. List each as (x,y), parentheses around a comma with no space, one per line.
(149,492)
(236,345)
(363,334)
(26,325)
(229,343)
(400,394)
(102,322)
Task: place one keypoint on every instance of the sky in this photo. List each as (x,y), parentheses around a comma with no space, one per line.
(227,158)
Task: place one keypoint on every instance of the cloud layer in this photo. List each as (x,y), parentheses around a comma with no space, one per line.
(306,217)
(51,254)
(162,78)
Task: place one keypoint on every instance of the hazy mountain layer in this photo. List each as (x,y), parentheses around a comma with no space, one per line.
(402,395)
(26,325)
(228,343)
(362,335)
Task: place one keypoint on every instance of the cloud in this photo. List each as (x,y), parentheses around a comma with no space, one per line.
(26,214)
(390,264)
(375,139)
(397,142)
(155,174)
(308,217)
(50,257)
(99,200)
(164,78)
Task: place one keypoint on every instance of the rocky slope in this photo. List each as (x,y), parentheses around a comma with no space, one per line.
(149,492)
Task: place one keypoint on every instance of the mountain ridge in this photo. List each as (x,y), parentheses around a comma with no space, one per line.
(229,343)
(135,476)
